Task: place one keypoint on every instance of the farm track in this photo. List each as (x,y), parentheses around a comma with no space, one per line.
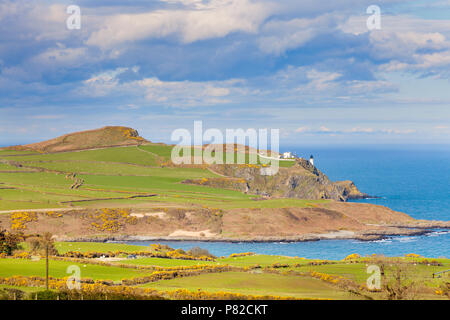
(214,172)
(74,150)
(153,154)
(104,199)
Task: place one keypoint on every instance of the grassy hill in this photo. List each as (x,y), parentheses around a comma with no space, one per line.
(112,162)
(98,138)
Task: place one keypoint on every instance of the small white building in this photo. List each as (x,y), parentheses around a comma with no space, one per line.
(287,155)
(311,159)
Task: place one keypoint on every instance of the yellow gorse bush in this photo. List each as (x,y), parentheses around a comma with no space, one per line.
(20,219)
(352,256)
(53,214)
(412,255)
(130,133)
(174,254)
(111,220)
(184,294)
(200,267)
(242,254)
(326,277)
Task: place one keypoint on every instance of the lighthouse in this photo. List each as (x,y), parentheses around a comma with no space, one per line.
(311,159)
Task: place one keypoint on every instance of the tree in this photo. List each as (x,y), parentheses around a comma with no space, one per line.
(399,279)
(43,243)
(398,285)
(9,242)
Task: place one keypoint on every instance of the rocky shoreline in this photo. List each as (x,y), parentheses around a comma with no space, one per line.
(368,235)
(328,220)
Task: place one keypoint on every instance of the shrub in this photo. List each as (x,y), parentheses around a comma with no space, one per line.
(242,254)
(9,242)
(46,295)
(19,220)
(352,256)
(11,294)
(277,265)
(110,220)
(398,285)
(199,252)
(36,245)
(412,255)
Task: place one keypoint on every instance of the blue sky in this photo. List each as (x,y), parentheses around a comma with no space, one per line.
(310,68)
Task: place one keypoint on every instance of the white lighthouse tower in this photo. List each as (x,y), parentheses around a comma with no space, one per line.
(311,159)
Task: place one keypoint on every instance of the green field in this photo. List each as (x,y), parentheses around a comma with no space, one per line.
(254,284)
(58,269)
(64,247)
(21,288)
(9,152)
(262,260)
(256,281)
(117,155)
(357,271)
(162,262)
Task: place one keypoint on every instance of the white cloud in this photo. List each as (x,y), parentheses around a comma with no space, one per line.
(324,129)
(217,92)
(278,36)
(187,93)
(104,83)
(128,107)
(409,43)
(156,91)
(213,19)
(61,56)
(109,77)
(48,116)
(308,81)
(355,130)
(302,129)
(400,23)
(321,80)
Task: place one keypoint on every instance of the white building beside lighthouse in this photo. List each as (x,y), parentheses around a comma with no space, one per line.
(288,155)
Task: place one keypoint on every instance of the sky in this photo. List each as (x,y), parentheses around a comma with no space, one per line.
(311,68)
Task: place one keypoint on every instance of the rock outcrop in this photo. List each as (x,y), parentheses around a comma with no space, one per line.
(303,180)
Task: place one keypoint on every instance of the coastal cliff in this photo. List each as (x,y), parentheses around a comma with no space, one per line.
(303,181)
(317,220)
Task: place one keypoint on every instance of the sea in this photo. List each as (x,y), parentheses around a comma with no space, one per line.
(411,179)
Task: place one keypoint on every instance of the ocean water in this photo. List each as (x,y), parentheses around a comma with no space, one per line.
(411,180)
(416,182)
